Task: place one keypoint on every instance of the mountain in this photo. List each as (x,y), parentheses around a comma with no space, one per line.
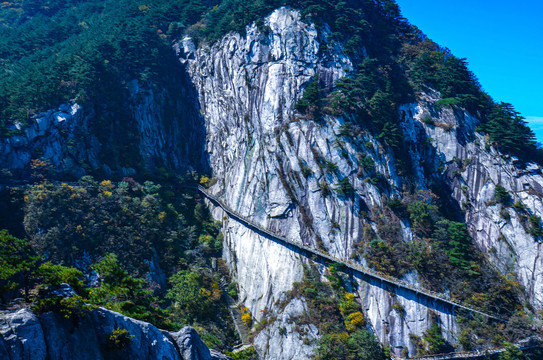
(367,188)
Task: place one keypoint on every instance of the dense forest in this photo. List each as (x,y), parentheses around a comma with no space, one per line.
(102,237)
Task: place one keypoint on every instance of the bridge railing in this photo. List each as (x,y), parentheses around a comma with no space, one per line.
(357,267)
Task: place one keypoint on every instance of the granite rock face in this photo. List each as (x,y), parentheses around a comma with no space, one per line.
(474,170)
(24,336)
(260,149)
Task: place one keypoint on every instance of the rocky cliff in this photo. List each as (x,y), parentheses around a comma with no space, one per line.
(150,129)
(24,336)
(260,150)
(272,165)
(473,170)
(257,146)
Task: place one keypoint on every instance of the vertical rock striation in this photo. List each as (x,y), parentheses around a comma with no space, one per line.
(473,171)
(259,151)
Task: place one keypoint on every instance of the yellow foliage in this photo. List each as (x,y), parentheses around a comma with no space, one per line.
(356,318)
(246,318)
(349,296)
(107,184)
(205,292)
(107,193)
(216,290)
(204,180)
(205,238)
(79,228)
(162,216)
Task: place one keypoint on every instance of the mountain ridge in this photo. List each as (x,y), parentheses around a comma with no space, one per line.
(317,141)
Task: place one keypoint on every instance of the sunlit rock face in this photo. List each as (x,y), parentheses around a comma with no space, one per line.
(474,170)
(258,146)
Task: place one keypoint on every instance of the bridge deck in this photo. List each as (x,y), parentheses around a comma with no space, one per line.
(347,263)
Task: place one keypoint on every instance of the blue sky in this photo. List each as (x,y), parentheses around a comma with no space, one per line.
(502,40)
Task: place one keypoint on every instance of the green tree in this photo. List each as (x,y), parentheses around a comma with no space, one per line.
(310,101)
(501,195)
(17,261)
(126,294)
(508,130)
(434,339)
(344,187)
(362,345)
(512,353)
(191,299)
(421,216)
(51,275)
(454,238)
(97,218)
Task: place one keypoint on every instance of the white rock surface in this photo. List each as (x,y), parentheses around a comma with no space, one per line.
(22,336)
(248,85)
(473,183)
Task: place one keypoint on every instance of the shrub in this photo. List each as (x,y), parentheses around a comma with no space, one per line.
(73,308)
(233,290)
(355,320)
(204,180)
(367,163)
(344,187)
(396,205)
(325,188)
(428,120)
(501,195)
(399,309)
(346,129)
(535,228)
(512,353)
(247,354)
(118,340)
(434,339)
(306,170)
(246,318)
(330,166)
